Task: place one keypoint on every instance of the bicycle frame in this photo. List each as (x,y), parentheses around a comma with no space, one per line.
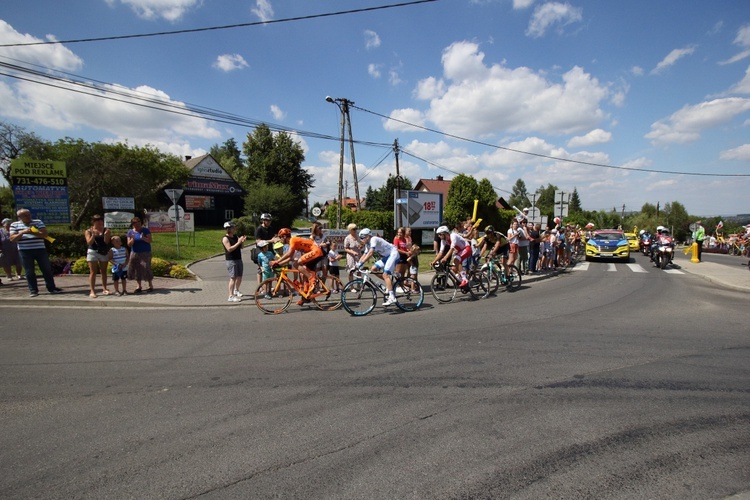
(274,295)
(360,295)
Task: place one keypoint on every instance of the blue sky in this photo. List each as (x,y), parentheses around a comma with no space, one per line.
(655,86)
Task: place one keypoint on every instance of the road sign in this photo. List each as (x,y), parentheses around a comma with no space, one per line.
(316,211)
(174,194)
(178,214)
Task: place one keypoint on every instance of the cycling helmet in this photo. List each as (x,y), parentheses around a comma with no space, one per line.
(364,233)
(285,232)
(489,229)
(265,217)
(229,224)
(659,229)
(443,230)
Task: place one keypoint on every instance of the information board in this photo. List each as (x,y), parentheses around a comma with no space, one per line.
(41,187)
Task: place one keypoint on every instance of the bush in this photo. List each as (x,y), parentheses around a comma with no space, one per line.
(80,266)
(245,225)
(180,272)
(160,267)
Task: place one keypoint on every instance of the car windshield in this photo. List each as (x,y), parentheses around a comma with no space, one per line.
(609,236)
(631,237)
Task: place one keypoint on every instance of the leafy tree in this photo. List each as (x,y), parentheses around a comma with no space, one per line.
(228,155)
(676,217)
(461,195)
(272,198)
(519,195)
(648,210)
(15,142)
(382,198)
(275,159)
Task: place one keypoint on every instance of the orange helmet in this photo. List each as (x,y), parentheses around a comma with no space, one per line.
(285,232)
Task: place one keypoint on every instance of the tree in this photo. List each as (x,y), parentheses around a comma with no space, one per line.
(272,198)
(519,195)
(228,155)
(381,199)
(461,195)
(15,143)
(546,200)
(676,217)
(275,160)
(575,202)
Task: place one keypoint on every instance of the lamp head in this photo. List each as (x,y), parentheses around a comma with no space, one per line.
(329,98)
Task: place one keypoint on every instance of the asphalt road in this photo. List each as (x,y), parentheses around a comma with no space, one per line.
(611,381)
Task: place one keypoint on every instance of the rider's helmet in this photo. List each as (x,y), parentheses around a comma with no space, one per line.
(659,229)
(443,230)
(365,233)
(489,229)
(641,232)
(265,217)
(285,232)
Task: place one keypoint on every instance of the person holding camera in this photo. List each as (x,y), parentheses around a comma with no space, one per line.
(97,253)
(233,256)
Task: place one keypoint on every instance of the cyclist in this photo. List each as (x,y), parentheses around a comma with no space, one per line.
(388,262)
(311,255)
(495,243)
(459,251)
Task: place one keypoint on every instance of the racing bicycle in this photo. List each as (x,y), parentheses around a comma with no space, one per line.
(360,295)
(445,284)
(495,272)
(274,295)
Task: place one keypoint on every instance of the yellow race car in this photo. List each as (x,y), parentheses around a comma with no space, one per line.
(632,241)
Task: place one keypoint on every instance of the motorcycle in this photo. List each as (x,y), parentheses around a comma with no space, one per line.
(663,251)
(645,244)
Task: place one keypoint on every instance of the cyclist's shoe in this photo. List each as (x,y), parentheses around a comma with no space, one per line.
(302,302)
(464,283)
(390,301)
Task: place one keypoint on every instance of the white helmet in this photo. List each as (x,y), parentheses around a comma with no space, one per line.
(659,229)
(443,230)
(642,232)
(364,233)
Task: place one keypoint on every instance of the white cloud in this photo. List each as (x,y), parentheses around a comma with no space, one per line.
(230,62)
(477,100)
(394,78)
(522,4)
(374,70)
(54,56)
(372,40)
(743,87)
(637,71)
(550,14)
(263,9)
(429,88)
(597,136)
(171,10)
(741,153)
(277,113)
(405,117)
(672,58)
(742,40)
(686,124)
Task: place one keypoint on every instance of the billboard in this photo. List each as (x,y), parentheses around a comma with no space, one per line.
(417,209)
(42,187)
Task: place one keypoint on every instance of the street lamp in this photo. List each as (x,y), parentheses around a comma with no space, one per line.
(343,105)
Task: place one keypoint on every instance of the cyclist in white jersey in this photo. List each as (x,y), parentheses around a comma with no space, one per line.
(459,251)
(390,258)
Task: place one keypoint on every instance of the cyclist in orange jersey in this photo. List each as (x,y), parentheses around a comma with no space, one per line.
(311,255)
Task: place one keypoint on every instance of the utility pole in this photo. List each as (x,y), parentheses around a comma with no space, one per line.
(398,181)
(343,105)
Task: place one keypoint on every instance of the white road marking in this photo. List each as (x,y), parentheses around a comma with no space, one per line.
(636,268)
(581,266)
(673,271)
(611,268)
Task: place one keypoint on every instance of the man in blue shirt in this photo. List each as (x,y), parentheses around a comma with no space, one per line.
(29,235)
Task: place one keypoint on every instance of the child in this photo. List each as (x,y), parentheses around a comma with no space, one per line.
(118,256)
(333,263)
(264,261)
(413,260)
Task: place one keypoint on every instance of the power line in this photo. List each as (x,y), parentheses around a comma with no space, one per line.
(547,157)
(215,28)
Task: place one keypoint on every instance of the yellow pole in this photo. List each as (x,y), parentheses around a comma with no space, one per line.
(694,258)
(474,215)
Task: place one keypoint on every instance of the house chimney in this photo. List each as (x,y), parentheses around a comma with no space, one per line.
(439,178)
(187,158)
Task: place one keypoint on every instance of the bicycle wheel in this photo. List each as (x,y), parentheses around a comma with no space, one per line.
(444,287)
(513,280)
(493,276)
(331,299)
(273,296)
(409,294)
(359,298)
(479,284)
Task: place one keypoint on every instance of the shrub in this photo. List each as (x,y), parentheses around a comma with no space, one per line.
(245,225)
(180,272)
(80,266)
(160,267)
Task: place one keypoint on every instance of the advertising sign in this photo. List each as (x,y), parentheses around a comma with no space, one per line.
(417,209)
(42,187)
(118,220)
(160,222)
(338,235)
(112,203)
(196,202)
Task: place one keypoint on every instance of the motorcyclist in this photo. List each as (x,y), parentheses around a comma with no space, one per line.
(655,240)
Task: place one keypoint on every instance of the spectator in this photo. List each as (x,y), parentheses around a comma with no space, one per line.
(698,236)
(352,248)
(333,264)
(139,264)
(29,235)
(403,251)
(523,248)
(97,253)
(233,257)
(267,233)
(513,240)
(118,255)
(534,246)
(9,252)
